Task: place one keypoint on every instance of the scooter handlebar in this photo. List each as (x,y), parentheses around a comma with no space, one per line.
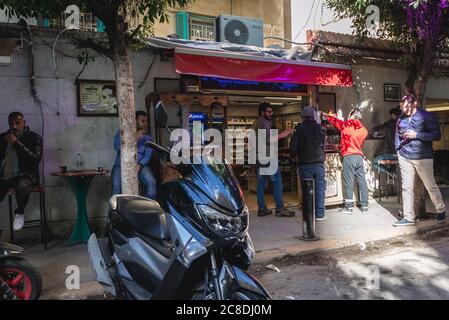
(156,146)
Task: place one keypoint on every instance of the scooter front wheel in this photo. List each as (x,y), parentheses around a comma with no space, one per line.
(238,294)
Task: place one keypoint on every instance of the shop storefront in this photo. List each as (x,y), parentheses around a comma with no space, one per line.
(222,90)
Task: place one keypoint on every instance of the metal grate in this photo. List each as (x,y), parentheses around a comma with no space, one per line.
(166,85)
(174,121)
(327,101)
(87,22)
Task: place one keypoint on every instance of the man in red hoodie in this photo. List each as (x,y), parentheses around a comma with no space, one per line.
(353,134)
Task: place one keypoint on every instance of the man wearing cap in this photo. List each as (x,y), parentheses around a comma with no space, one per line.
(308,145)
(353,134)
(416,130)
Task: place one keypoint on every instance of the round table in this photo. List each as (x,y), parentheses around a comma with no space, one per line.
(80,182)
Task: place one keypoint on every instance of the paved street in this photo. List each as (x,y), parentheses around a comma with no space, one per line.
(408,269)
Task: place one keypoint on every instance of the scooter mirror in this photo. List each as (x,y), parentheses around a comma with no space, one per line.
(161,114)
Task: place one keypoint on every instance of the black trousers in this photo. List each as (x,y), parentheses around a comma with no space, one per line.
(22,186)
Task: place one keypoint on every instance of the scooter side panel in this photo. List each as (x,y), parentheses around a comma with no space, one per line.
(145,265)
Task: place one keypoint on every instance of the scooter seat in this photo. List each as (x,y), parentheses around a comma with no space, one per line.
(143,215)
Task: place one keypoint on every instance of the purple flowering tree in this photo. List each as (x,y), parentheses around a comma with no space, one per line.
(428,23)
(419,27)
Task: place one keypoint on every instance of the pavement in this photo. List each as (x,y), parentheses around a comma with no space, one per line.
(274,239)
(407,268)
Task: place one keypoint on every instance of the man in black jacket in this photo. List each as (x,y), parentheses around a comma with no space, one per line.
(20,154)
(390,153)
(308,144)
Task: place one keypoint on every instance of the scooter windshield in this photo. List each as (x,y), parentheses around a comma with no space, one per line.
(215,177)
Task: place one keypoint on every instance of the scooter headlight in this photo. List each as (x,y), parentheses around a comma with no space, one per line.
(222,223)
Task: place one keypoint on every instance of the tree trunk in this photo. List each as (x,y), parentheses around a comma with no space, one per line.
(421,85)
(412,74)
(424,72)
(127,118)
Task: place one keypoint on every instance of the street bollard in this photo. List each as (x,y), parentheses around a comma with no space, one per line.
(308,210)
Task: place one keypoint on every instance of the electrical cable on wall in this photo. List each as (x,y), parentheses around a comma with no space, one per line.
(36,98)
(148,72)
(84,64)
(53,52)
(35,35)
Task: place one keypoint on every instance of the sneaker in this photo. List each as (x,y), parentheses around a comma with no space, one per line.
(346,210)
(18,222)
(364,209)
(263,212)
(441,217)
(284,212)
(403,222)
(321,218)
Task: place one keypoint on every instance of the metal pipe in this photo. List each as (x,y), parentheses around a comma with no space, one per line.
(213,262)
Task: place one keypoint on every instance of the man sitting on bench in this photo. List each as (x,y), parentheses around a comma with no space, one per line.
(20,154)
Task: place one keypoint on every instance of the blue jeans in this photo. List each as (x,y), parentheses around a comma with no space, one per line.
(146,177)
(316,172)
(383,168)
(277,188)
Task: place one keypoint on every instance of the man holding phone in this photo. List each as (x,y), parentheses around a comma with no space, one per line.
(144,154)
(415,131)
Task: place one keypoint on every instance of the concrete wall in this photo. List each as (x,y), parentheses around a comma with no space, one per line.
(276,21)
(65,133)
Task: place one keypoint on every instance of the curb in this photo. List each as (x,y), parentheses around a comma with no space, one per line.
(273,255)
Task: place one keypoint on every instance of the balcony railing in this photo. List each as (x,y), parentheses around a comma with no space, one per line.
(87,22)
(202,32)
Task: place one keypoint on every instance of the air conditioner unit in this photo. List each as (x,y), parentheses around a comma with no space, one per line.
(240,30)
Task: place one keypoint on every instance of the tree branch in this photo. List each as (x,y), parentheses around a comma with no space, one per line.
(131,37)
(94,45)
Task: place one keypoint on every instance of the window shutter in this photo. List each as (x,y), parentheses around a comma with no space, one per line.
(100,26)
(182,24)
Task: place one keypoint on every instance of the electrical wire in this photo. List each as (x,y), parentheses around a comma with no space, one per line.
(55,69)
(84,64)
(58,51)
(321,18)
(314,16)
(36,99)
(308,19)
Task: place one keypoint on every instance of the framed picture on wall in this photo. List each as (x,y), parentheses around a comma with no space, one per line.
(392,92)
(96,98)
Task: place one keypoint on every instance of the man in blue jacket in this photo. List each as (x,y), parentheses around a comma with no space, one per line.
(416,129)
(144,153)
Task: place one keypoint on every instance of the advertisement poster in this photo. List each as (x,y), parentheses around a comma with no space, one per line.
(97,98)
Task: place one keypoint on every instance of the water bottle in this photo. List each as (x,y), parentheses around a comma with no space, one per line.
(317,116)
(78,162)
